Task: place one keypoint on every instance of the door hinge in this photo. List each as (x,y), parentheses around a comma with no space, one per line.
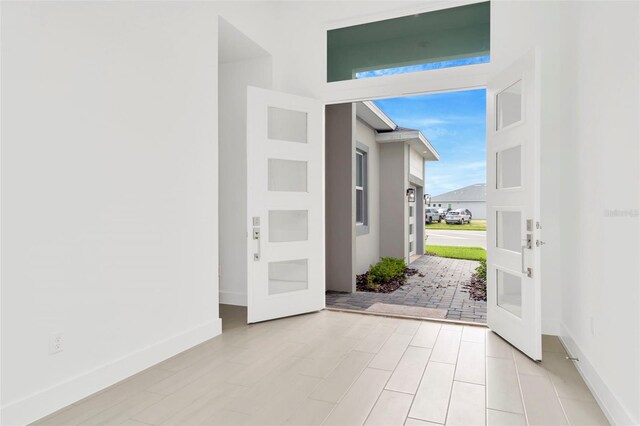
(529,272)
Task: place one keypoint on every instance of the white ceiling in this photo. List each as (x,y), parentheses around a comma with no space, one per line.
(234,46)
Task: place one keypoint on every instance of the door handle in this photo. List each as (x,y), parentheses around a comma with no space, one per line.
(528,245)
(256,237)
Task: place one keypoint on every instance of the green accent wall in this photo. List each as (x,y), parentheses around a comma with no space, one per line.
(442,35)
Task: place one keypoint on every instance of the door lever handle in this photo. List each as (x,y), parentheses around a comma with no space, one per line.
(256,237)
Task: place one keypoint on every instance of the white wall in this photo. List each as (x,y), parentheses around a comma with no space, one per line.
(234,78)
(601,291)
(109,194)
(368,245)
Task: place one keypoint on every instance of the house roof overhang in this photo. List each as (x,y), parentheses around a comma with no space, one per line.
(373,116)
(414,138)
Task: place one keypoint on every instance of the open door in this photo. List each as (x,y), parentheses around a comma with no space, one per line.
(513,201)
(285,205)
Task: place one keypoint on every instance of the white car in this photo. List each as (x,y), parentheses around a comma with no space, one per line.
(457,216)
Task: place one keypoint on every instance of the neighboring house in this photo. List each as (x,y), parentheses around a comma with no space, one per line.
(387,163)
(472,198)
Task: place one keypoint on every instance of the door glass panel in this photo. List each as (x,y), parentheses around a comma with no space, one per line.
(508,230)
(287,175)
(509,168)
(287,125)
(509,105)
(288,225)
(509,292)
(287,276)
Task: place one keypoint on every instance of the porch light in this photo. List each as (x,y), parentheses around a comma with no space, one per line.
(411,195)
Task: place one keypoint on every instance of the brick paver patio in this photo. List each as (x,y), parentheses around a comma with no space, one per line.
(440,288)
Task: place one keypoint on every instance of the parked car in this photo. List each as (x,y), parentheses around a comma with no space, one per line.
(443,213)
(457,216)
(431,215)
(469,213)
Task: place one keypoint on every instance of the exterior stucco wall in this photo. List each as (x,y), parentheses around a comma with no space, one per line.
(394,180)
(368,244)
(340,200)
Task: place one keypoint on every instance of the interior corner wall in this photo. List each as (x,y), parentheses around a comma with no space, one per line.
(109,194)
(394,182)
(233,79)
(368,244)
(601,291)
(340,201)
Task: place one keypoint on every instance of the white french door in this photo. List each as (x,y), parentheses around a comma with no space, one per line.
(285,205)
(513,201)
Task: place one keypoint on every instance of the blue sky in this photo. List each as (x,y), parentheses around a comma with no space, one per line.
(455,124)
(424,67)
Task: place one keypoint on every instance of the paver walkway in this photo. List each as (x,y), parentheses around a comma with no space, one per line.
(439,288)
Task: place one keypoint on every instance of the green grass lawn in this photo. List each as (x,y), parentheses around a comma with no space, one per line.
(454,252)
(475,225)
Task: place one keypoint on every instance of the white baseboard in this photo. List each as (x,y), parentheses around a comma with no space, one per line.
(75,388)
(233,298)
(616,413)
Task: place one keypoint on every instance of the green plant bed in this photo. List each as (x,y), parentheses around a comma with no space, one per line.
(475,225)
(455,252)
(385,276)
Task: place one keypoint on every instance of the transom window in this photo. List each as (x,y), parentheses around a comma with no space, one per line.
(444,38)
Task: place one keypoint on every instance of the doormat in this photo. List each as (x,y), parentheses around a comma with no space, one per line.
(414,311)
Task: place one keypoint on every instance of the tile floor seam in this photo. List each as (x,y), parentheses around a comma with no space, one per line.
(555,389)
(383,389)
(524,407)
(455,368)
(335,405)
(423,372)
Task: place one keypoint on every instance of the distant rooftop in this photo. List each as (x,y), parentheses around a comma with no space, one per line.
(475,192)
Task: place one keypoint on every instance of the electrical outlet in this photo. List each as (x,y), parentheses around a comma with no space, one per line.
(56,343)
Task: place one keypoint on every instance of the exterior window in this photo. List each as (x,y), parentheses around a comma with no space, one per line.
(362,204)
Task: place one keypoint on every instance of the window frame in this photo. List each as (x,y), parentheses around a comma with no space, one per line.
(362,227)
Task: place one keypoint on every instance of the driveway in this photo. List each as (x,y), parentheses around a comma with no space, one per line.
(441,237)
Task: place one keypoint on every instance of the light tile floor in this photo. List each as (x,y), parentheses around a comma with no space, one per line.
(337,368)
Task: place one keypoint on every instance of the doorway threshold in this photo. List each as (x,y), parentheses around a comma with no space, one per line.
(413,317)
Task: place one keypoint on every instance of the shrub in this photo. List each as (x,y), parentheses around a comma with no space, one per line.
(387,269)
(481,270)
